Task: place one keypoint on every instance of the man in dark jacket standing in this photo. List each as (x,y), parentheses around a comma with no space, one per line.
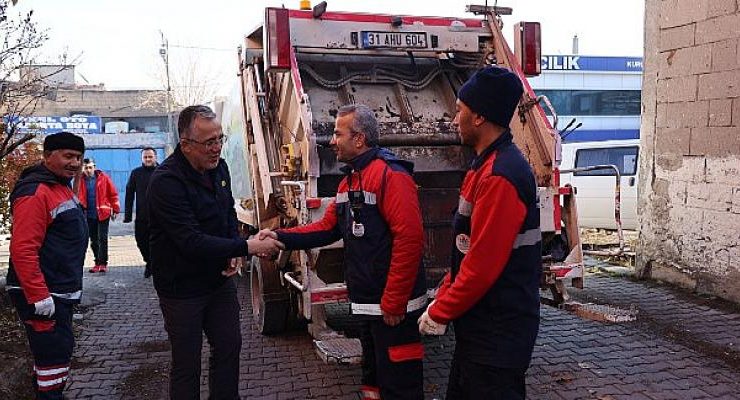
(137,185)
(195,250)
(492,291)
(376,212)
(47,250)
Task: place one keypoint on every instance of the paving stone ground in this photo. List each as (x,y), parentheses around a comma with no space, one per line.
(681,347)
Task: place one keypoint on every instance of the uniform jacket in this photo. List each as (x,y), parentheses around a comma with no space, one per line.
(492,291)
(49,237)
(137,185)
(383,265)
(192,227)
(106,195)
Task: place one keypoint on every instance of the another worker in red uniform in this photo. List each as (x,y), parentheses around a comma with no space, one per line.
(376,212)
(492,292)
(99,197)
(47,250)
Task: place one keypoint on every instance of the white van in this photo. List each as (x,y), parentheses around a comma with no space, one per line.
(595,189)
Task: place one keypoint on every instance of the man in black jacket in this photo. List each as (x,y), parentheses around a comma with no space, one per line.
(195,250)
(138,182)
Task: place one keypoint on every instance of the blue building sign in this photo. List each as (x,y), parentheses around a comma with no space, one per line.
(585,63)
(83,124)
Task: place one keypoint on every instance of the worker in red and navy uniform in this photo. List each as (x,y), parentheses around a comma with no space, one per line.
(492,292)
(376,212)
(47,249)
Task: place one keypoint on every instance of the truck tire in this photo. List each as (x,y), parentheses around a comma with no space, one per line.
(270,300)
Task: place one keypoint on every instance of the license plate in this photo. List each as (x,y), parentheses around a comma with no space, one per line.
(415,40)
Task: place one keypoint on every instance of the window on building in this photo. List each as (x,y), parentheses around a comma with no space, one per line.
(593,102)
(624,158)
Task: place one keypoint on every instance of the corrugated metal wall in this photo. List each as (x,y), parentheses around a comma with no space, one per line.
(118,163)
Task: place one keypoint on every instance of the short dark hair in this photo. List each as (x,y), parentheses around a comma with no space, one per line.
(149,148)
(88,161)
(189,114)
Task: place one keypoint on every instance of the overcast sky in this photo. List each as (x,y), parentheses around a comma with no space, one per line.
(117,42)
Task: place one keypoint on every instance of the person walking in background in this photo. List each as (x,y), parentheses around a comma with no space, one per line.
(137,185)
(99,197)
(47,251)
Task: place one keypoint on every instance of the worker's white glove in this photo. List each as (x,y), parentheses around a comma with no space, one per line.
(427,326)
(45,307)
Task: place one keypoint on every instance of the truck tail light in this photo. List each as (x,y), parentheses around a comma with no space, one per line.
(277,38)
(527,46)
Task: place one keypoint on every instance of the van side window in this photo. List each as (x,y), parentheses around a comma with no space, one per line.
(625,158)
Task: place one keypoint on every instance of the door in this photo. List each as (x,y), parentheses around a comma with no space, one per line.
(595,189)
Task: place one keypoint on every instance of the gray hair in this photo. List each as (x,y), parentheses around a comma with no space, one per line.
(363,121)
(189,114)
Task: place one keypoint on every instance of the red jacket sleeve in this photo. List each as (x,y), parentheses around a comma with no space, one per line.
(112,195)
(320,233)
(400,209)
(31,218)
(497,217)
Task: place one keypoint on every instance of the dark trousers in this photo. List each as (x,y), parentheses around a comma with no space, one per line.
(99,239)
(470,380)
(51,341)
(185,320)
(392,358)
(141,233)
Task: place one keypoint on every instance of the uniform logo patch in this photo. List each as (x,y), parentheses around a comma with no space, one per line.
(223,183)
(462,242)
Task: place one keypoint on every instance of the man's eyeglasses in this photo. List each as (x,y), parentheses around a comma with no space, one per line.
(210,144)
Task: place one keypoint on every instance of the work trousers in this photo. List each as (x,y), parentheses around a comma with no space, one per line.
(51,341)
(392,359)
(141,233)
(216,315)
(98,231)
(471,381)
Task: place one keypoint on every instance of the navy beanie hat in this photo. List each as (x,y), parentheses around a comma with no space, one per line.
(494,93)
(64,141)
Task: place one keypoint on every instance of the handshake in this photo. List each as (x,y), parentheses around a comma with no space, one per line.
(265,244)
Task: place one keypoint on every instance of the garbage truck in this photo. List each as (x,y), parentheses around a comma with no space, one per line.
(296,70)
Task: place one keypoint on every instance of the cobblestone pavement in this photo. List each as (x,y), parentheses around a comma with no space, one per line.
(681,347)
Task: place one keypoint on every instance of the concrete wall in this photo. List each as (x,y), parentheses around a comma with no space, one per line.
(690,166)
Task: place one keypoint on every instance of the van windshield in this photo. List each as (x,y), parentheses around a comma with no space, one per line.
(625,158)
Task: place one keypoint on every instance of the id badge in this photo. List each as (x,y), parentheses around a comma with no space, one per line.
(358,229)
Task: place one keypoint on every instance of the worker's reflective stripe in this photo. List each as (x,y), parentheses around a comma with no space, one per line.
(68,296)
(41,371)
(370,197)
(464,207)
(374,309)
(42,383)
(67,205)
(528,238)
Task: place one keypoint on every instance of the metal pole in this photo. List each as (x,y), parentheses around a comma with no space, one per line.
(164,51)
